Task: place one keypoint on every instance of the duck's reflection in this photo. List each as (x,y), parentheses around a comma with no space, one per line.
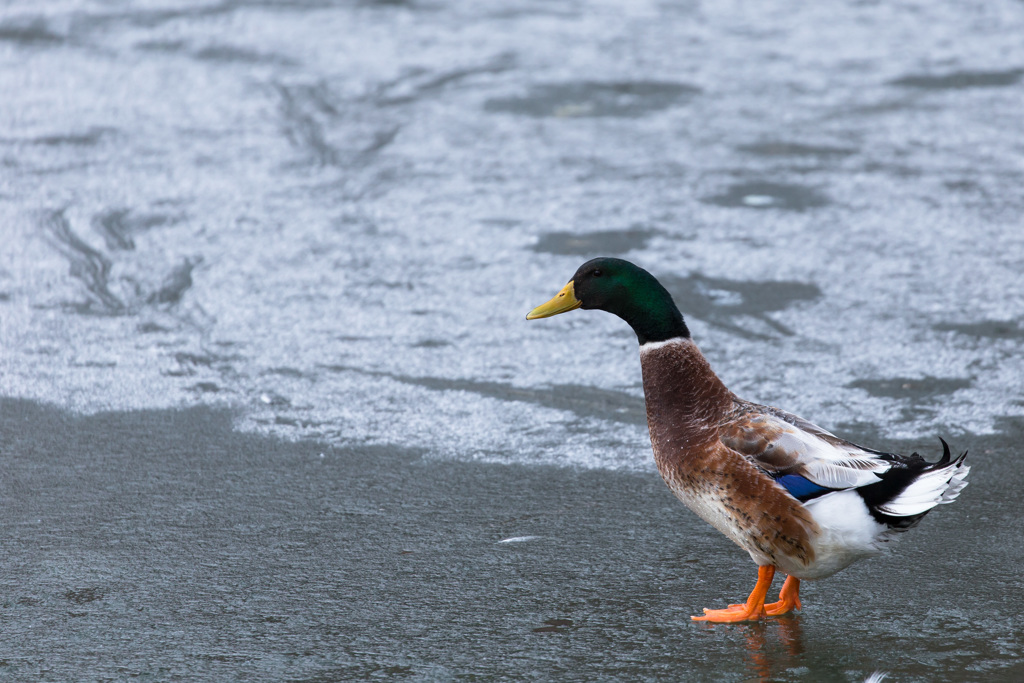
(773,645)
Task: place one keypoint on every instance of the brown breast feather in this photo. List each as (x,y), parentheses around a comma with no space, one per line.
(689,411)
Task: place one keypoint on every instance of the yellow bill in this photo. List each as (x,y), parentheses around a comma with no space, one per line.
(564,301)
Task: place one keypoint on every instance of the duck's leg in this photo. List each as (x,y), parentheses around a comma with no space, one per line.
(752,609)
(789,598)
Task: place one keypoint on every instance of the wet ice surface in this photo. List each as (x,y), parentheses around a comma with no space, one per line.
(165,545)
(333,219)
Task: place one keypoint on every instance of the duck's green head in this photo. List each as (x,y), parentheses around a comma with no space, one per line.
(622,288)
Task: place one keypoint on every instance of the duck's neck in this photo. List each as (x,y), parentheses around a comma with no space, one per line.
(685,399)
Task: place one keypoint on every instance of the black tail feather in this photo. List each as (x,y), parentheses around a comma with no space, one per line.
(896,480)
(945,455)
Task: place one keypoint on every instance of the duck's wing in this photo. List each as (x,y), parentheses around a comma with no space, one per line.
(806,459)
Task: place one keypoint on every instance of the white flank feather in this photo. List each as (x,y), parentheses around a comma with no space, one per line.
(848,533)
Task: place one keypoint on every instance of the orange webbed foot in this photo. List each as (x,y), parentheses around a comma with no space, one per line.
(728,615)
(752,610)
(789,598)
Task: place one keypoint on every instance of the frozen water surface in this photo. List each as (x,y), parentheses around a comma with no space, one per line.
(350,208)
(331,218)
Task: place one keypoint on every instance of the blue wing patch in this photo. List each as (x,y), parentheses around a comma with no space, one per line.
(801,488)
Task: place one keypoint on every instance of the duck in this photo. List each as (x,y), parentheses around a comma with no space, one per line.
(798,499)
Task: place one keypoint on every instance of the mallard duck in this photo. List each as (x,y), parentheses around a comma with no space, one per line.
(796,497)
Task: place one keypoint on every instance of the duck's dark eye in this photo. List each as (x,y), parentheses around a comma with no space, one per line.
(597,273)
